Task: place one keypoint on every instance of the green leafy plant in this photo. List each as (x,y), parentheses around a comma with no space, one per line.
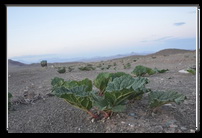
(70,69)
(103,78)
(159,98)
(9,100)
(61,70)
(117,92)
(77,93)
(88,67)
(142,70)
(192,71)
(44,63)
(108,66)
(127,66)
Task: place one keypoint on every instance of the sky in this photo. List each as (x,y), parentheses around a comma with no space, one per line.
(72,32)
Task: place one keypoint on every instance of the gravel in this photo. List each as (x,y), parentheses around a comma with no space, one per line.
(49,114)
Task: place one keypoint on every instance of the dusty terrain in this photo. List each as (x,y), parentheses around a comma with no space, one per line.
(34,110)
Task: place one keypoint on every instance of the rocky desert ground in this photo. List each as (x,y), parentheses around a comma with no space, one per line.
(35,110)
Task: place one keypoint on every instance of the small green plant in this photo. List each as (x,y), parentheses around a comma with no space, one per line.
(192,71)
(134,60)
(114,63)
(9,100)
(159,98)
(99,66)
(70,69)
(88,67)
(44,63)
(127,66)
(61,70)
(103,78)
(142,70)
(115,89)
(108,66)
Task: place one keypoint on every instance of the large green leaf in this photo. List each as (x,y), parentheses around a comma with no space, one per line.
(112,101)
(77,96)
(104,78)
(118,91)
(158,98)
(59,82)
(74,92)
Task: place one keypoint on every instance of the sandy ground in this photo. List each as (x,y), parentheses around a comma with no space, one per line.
(34,110)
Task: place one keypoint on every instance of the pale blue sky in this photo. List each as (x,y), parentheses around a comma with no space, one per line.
(98,31)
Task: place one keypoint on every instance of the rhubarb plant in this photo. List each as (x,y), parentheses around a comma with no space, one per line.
(77,93)
(103,78)
(142,70)
(117,92)
(159,98)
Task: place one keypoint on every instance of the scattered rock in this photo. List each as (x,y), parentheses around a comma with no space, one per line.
(192,131)
(183,128)
(170,130)
(93,120)
(40,87)
(183,71)
(122,122)
(172,125)
(131,125)
(158,129)
(132,114)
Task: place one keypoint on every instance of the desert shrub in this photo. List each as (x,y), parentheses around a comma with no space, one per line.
(61,70)
(70,69)
(114,63)
(108,66)
(134,60)
(159,98)
(127,66)
(9,100)
(88,67)
(44,63)
(142,70)
(115,89)
(192,71)
(99,66)
(153,57)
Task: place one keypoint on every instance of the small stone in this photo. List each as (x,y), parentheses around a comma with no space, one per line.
(132,114)
(40,87)
(93,120)
(183,71)
(172,125)
(192,131)
(183,128)
(131,125)
(170,130)
(9,76)
(158,129)
(122,122)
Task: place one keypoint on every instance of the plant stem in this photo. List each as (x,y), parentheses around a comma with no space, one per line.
(90,113)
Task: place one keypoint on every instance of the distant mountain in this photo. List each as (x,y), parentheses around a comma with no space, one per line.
(171,51)
(15,63)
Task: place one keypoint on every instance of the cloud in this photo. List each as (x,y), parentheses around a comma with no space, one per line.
(162,38)
(179,23)
(159,39)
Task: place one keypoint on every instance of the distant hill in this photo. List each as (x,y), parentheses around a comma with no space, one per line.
(171,51)
(15,63)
